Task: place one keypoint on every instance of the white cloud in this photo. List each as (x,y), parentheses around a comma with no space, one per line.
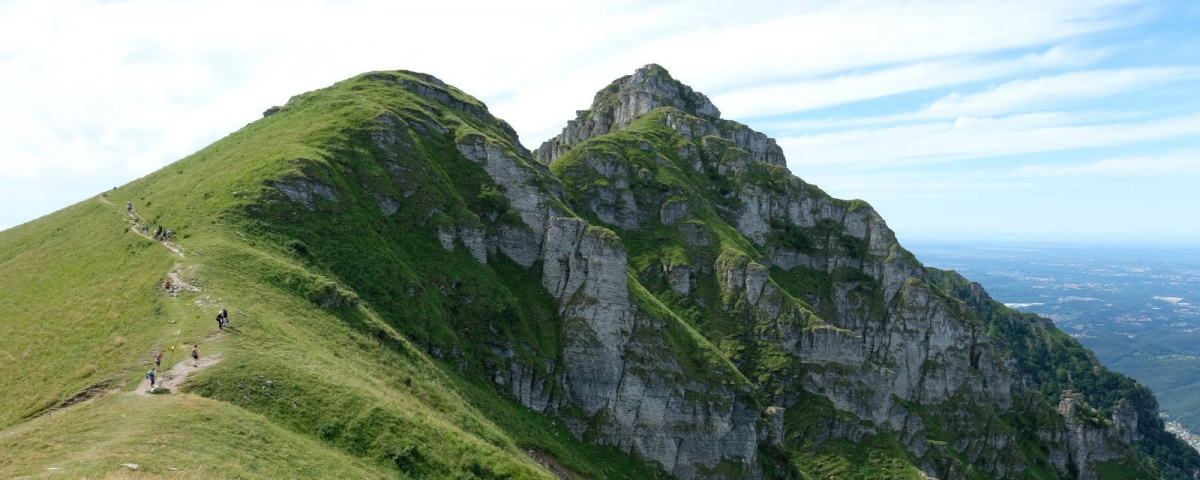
(969,137)
(1176,163)
(1077,199)
(922,183)
(852,87)
(1052,92)
(108,91)
(1017,96)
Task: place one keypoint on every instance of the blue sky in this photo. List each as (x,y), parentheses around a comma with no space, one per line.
(1076,121)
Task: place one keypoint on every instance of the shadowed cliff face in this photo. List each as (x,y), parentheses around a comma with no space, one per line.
(705,309)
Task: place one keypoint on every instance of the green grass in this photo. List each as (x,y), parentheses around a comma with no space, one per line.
(345,388)
(82,303)
(394,378)
(197,437)
(875,456)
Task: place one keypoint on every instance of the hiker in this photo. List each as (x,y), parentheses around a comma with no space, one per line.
(220,322)
(150,375)
(167,286)
(224,317)
(158,359)
(129,206)
(196,356)
(168,235)
(158,232)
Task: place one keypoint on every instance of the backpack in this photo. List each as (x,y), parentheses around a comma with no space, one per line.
(150,374)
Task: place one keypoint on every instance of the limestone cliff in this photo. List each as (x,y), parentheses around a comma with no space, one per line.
(658,280)
(806,294)
(649,88)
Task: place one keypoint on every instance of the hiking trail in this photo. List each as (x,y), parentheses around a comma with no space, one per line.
(172,378)
(136,220)
(177,282)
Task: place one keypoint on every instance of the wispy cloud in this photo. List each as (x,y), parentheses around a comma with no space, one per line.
(970,137)
(97,93)
(1056,91)
(1017,96)
(1175,163)
(853,87)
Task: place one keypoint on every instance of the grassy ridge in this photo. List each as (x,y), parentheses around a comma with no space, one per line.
(363,345)
(197,437)
(80,303)
(342,388)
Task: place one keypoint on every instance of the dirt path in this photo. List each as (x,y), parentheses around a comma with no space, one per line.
(177,374)
(177,283)
(174,377)
(550,463)
(176,249)
(136,221)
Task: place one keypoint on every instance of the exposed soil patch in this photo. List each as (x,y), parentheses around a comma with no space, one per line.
(177,283)
(174,377)
(549,463)
(95,391)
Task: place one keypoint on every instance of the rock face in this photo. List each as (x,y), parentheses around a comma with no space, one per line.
(617,369)
(302,191)
(867,330)
(649,88)
(1089,437)
(706,302)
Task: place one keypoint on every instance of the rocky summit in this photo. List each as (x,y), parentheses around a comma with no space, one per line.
(650,293)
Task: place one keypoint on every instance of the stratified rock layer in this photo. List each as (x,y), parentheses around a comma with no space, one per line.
(707,301)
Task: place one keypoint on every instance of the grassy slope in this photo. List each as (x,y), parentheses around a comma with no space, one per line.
(349,391)
(342,388)
(78,292)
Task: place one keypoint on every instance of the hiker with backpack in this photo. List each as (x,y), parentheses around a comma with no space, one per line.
(150,375)
(196,356)
(158,359)
(220,322)
(223,318)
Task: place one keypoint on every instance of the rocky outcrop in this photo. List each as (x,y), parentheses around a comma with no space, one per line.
(1089,437)
(302,190)
(641,406)
(650,88)
(1125,418)
(694,281)
(875,338)
(471,237)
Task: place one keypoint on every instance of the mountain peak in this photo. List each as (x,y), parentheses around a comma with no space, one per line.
(650,87)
